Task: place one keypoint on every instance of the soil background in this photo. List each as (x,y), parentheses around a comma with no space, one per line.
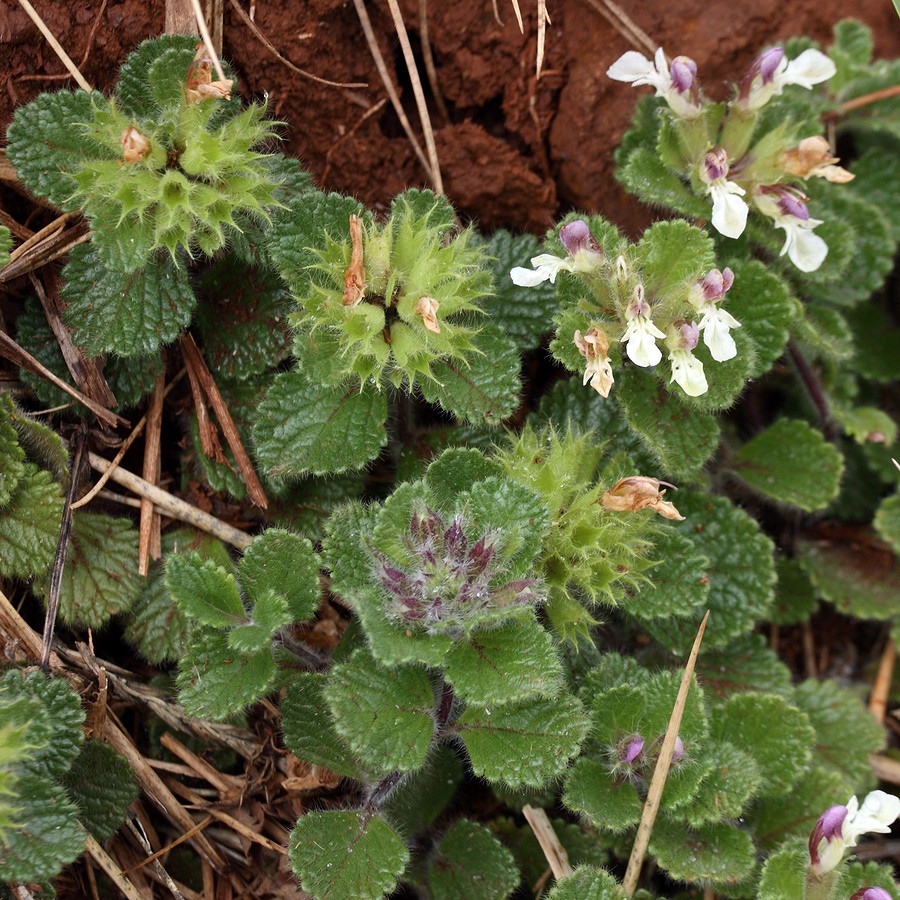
(514,151)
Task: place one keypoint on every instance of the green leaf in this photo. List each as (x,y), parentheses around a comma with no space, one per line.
(470,862)
(385,715)
(215,682)
(204,590)
(875,338)
(523,314)
(869,874)
(29,525)
(42,445)
(167,74)
(860,579)
(588,883)
(776,734)
(52,837)
(420,798)
(305,427)
(875,182)
(792,463)
(133,91)
(128,313)
(155,623)
(243,319)
(309,729)
(712,852)
(46,142)
(762,302)
(846,732)
(100,577)
(505,664)
(746,664)
(486,389)
(6,244)
(671,255)
(682,438)
(887,521)
(795,599)
(53,714)
(344,554)
(784,873)
(102,786)
(339,855)
(741,571)
(646,176)
(523,744)
(286,563)
(270,613)
(313,217)
(732,778)
(608,804)
(12,456)
(456,470)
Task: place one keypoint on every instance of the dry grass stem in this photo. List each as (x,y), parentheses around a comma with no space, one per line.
(625,25)
(197,365)
(49,249)
(126,444)
(881,687)
(543,22)
(553,850)
(428,58)
(858,102)
(518,12)
(421,105)
(661,772)
(54,227)
(55,44)
(207,40)
(254,29)
(111,867)
(173,506)
(149,547)
(135,827)
(380,64)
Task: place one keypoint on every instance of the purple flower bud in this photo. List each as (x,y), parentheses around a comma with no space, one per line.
(717,284)
(828,828)
(871,893)
(789,200)
(715,164)
(678,752)
(631,749)
(576,237)
(687,336)
(767,63)
(683,70)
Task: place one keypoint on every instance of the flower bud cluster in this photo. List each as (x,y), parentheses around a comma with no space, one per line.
(634,757)
(449,579)
(633,317)
(723,157)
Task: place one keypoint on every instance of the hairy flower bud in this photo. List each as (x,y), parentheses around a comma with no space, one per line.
(135,145)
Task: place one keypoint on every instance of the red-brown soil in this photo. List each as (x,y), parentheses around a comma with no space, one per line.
(514,152)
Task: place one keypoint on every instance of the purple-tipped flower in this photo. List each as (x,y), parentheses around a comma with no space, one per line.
(786,206)
(840,827)
(631,749)
(678,752)
(771,72)
(676,86)
(729,211)
(576,237)
(687,370)
(715,322)
(449,578)
(640,333)
(683,71)
(584,254)
(871,893)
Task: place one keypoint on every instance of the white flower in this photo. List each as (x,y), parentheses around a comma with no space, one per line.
(687,370)
(806,250)
(635,68)
(772,72)
(840,827)
(594,347)
(729,211)
(715,323)
(545,268)
(641,334)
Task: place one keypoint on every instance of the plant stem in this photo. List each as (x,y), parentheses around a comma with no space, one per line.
(820,887)
(382,790)
(813,388)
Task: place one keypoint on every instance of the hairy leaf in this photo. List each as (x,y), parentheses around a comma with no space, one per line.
(746,664)
(304,427)
(711,852)
(12,456)
(470,862)
(887,521)
(204,590)
(102,786)
(523,744)
(793,463)
(588,883)
(128,313)
(385,715)
(732,778)
(216,682)
(339,855)
(592,791)
(29,524)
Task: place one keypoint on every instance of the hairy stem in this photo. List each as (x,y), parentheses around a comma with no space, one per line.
(814,388)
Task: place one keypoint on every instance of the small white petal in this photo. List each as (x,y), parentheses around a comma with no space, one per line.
(528,277)
(634,67)
(805,249)
(687,370)
(876,815)
(809,68)
(729,214)
(715,325)
(641,335)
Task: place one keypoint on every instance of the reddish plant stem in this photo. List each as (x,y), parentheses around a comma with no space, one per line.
(813,388)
